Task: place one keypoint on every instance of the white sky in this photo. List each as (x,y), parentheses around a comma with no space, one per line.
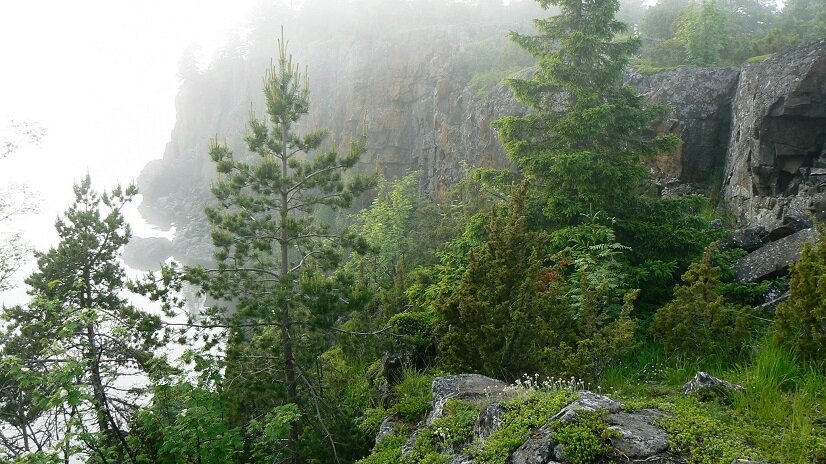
(100,76)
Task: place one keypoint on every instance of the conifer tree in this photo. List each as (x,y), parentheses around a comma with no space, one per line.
(272,253)
(800,323)
(66,354)
(586,133)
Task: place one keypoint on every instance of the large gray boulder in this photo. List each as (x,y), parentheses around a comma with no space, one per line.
(773,259)
(776,162)
(641,438)
(468,387)
(587,401)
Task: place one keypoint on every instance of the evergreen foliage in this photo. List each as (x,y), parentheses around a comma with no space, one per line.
(587,132)
(272,257)
(800,322)
(66,352)
(699,321)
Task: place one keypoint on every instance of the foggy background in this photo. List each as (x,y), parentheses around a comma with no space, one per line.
(100,76)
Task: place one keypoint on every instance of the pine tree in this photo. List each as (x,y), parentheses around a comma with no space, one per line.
(70,349)
(272,253)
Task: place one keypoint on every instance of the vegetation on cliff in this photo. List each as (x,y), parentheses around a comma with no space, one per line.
(325,327)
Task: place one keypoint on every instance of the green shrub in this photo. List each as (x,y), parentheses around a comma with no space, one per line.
(413,394)
(388,451)
(456,426)
(700,438)
(523,415)
(800,321)
(699,320)
(587,438)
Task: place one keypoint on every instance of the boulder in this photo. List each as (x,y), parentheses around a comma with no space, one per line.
(773,259)
(707,387)
(489,420)
(467,387)
(642,438)
(748,238)
(587,401)
(388,427)
(538,449)
(790,225)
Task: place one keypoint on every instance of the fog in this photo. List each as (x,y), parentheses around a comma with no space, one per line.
(100,76)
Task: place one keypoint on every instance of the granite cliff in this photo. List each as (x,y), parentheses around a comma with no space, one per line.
(429,108)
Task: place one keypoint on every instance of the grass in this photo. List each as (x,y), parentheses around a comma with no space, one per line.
(781,417)
(759,58)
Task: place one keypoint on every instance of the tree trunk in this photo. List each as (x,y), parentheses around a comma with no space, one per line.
(289,367)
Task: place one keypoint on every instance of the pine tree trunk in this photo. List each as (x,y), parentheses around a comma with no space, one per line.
(289,367)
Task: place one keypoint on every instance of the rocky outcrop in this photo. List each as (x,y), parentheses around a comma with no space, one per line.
(776,162)
(637,437)
(707,387)
(468,387)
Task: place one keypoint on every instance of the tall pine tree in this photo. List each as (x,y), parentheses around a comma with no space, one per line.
(272,254)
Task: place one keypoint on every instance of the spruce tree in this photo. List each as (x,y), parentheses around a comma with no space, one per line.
(586,132)
(272,254)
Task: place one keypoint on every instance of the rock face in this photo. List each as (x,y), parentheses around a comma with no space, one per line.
(699,107)
(424,111)
(640,438)
(776,163)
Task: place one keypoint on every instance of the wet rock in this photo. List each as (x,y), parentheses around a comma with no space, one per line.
(388,426)
(773,259)
(699,101)
(538,449)
(749,238)
(489,420)
(790,225)
(707,387)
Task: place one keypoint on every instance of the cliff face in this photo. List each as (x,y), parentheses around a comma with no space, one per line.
(776,163)
(429,107)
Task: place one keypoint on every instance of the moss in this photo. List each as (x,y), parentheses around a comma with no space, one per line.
(523,415)
(759,58)
(388,451)
(456,426)
(436,443)
(587,439)
(700,435)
